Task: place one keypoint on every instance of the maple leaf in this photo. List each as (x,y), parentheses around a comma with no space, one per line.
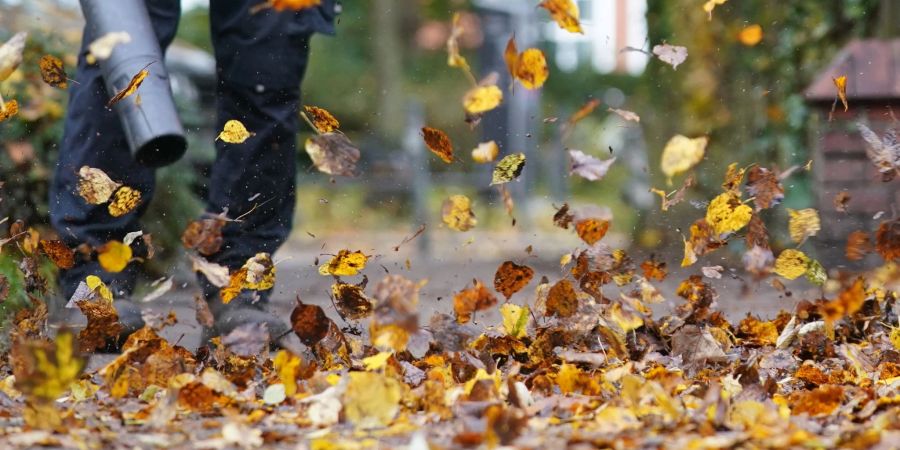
(588,167)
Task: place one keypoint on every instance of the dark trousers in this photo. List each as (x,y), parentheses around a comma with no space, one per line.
(261,59)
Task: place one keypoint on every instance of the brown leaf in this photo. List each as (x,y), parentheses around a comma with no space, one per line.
(203,314)
(654,269)
(322,119)
(248,339)
(59,253)
(52,71)
(585,110)
(591,230)
(351,301)
(887,239)
(333,154)
(511,278)
(468,301)
(841,200)
(563,218)
(102,324)
(858,245)
(309,322)
(696,345)
(8,109)
(204,235)
(765,186)
(439,143)
(562,301)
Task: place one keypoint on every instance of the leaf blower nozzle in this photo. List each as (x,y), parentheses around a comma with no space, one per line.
(154,133)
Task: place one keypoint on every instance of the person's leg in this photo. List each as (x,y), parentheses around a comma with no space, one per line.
(261,61)
(93,136)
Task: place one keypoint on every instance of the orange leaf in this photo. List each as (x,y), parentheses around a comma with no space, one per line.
(439,143)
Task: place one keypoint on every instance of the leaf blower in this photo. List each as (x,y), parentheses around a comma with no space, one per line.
(152,128)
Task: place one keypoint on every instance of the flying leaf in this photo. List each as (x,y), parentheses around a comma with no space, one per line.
(294,5)
(124,200)
(95,186)
(727,214)
(130,89)
(509,168)
(439,143)
(351,301)
(52,71)
(565,14)
(322,119)
(585,110)
(529,67)
(371,400)
(11,54)
(791,264)
(59,253)
(849,301)
(468,301)
(286,365)
(627,115)
(803,224)
(672,55)
(456,213)
(682,153)
(102,324)
(858,245)
(485,152)
(591,230)
(840,83)
(309,323)
(677,196)
(511,278)
(481,99)
(8,109)
(333,154)
(248,339)
(515,319)
(114,256)
(234,132)
(204,235)
(884,152)
(710,5)
(102,47)
(562,301)
(654,269)
(454,58)
(588,167)
(765,187)
(841,201)
(751,35)
(345,263)
(887,240)
(46,370)
(216,274)
(714,272)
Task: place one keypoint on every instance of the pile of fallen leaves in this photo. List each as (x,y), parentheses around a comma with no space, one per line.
(578,358)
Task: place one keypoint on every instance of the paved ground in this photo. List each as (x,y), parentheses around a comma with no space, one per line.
(456,258)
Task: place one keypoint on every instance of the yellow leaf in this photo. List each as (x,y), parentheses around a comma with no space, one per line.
(8,109)
(286,365)
(11,54)
(371,400)
(841,84)
(531,68)
(727,214)
(457,213)
(803,224)
(294,5)
(114,256)
(97,285)
(791,263)
(482,99)
(565,14)
(323,120)
(485,152)
(260,272)
(682,153)
(102,47)
(131,88)
(515,319)
(48,369)
(376,361)
(345,263)
(509,168)
(710,5)
(454,59)
(95,186)
(234,132)
(751,35)
(52,71)
(124,200)
(568,378)
(895,338)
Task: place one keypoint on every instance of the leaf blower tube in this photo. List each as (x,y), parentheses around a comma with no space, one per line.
(151,124)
